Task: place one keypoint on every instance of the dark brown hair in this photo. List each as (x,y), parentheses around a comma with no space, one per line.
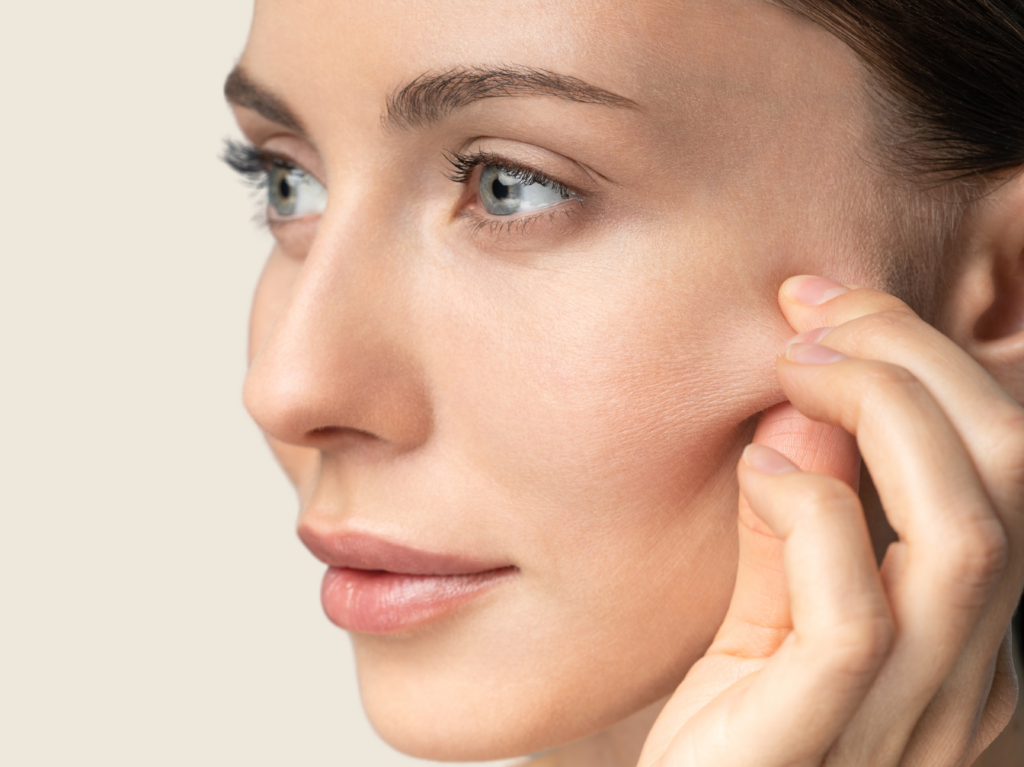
(949,75)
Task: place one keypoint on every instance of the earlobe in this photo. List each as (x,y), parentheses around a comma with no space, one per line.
(985,305)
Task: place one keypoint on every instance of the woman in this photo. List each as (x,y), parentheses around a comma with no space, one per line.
(514,360)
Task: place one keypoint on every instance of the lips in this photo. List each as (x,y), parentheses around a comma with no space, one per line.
(374,586)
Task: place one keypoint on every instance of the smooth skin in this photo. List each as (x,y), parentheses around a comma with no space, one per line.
(571,396)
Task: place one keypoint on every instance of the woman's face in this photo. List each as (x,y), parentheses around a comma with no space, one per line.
(555,396)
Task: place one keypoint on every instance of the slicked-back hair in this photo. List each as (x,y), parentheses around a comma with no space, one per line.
(949,75)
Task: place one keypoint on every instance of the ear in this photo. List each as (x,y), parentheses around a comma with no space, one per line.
(984,310)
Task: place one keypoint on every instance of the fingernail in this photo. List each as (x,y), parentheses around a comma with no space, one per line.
(810,337)
(812,291)
(767,460)
(813,354)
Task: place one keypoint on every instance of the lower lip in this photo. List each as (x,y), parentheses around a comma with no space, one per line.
(377,602)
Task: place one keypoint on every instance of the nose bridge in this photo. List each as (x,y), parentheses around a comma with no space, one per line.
(339,364)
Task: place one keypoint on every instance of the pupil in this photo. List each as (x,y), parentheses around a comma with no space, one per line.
(284,188)
(499,190)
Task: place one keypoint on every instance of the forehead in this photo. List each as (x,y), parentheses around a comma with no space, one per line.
(676,58)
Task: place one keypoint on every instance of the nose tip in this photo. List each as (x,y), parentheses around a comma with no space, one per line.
(336,397)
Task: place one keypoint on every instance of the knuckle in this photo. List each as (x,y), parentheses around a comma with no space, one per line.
(977,557)
(823,494)
(883,382)
(886,376)
(858,647)
(884,322)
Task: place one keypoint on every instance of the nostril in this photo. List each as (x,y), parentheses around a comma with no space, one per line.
(333,434)
(324,430)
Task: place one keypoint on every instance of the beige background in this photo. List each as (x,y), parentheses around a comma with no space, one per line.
(155,605)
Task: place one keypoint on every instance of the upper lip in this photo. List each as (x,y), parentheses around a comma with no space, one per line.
(361,551)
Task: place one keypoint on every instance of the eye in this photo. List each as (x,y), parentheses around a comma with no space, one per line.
(505,192)
(293,192)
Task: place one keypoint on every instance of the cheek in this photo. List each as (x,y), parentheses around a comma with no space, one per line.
(606,389)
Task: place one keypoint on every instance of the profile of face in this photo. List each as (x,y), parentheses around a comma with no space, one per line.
(518,348)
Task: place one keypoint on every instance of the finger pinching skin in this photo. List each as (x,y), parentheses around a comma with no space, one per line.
(945,445)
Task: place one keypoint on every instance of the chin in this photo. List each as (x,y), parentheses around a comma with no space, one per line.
(440,694)
(465,691)
(464,718)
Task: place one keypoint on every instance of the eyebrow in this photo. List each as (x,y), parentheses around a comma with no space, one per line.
(239,89)
(431,97)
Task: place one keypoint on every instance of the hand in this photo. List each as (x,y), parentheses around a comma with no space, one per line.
(824,658)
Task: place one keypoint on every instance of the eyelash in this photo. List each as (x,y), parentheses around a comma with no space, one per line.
(463,166)
(255,165)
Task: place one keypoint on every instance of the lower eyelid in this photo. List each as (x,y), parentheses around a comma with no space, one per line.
(294,235)
(560,217)
(276,220)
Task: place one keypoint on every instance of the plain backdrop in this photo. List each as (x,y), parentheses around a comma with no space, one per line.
(156,607)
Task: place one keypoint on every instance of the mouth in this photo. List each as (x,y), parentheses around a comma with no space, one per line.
(373,586)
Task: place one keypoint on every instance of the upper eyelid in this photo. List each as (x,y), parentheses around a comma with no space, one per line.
(251,161)
(588,180)
(463,165)
(255,162)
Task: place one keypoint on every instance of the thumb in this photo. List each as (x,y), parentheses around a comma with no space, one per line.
(758,618)
(814,447)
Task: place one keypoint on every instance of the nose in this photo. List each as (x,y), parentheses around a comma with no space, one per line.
(337,367)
